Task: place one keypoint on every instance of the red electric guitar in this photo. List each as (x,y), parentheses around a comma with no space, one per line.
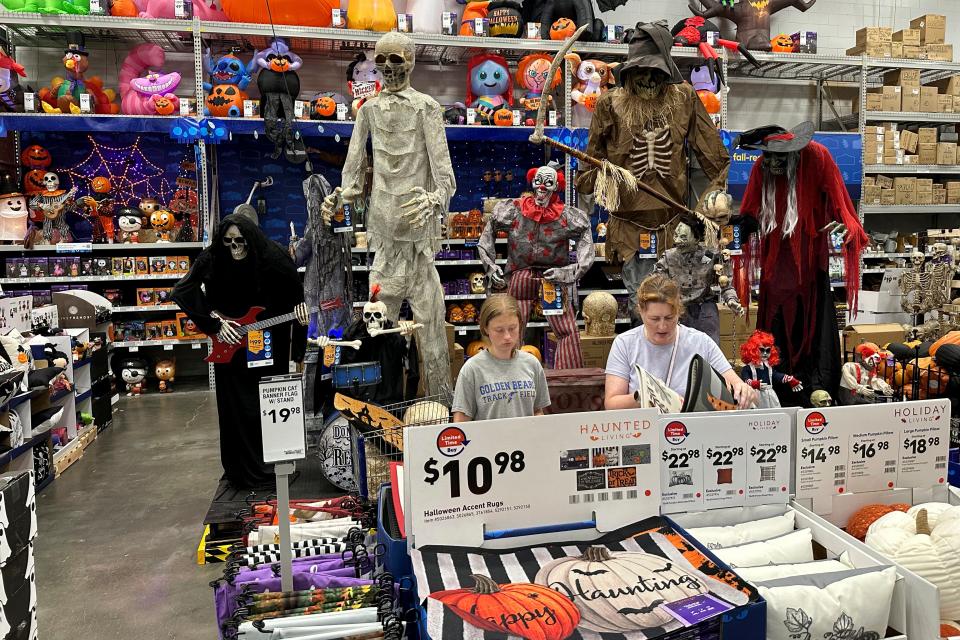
(222,352)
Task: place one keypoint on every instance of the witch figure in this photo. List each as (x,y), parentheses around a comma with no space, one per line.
(241,269)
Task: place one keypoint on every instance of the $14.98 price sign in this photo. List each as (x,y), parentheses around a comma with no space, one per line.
(465,480)
(725,460)
(281,418)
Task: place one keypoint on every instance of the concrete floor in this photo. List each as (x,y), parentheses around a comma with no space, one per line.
(118,532)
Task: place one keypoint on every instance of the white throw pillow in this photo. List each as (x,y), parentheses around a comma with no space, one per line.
(775,571)
(853,604)
(756,531)
(792,548)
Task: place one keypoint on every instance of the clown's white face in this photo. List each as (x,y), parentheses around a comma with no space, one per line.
(544,185)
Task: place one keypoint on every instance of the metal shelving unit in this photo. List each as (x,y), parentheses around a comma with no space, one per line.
(73,279)
(908,169)
(868,209)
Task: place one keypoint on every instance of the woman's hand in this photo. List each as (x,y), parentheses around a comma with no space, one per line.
(745,395)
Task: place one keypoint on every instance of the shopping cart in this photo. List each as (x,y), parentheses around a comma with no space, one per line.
(378,434)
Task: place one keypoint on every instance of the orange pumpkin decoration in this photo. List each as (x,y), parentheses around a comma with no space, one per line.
(781,44)
(36,157)
(370,15)
(532,351)
(710,100)
(951,338)
(100,184)
(519,609)
(124,9)
(562,29)
(33,181)
(599,459)
(164,106)
(475,347)
(503,118)
(305,13)
(325,106)
(224,96)
(933,379)
(861,520)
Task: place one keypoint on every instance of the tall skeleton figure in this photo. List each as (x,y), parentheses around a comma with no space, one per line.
(539,230)
(647,125)
(413,183)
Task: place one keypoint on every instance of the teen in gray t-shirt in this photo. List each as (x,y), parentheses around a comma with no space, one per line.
(490,388)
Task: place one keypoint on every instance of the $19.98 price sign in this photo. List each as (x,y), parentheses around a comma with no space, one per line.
(464,480)
(281,418)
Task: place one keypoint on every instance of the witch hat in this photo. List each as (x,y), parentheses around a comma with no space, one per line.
(776,139)
(649,45)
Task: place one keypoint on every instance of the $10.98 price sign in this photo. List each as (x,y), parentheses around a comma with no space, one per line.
(462,480)
(281,418)
(871,448)
(725,460)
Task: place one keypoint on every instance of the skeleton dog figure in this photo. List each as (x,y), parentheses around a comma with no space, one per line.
(412,185)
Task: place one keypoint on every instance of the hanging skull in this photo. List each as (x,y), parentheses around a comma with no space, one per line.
(236,242)
(476,283)
(51,181)
(545,181)
(395,57)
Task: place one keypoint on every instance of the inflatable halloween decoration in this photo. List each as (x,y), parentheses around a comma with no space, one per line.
(144,96)
(781,44)
(471,12)
(203,9)
(488,85)
(50,7)
(124,9)
(692,32)
(505,19)
(570,14)
(63,94)
(11,94)
(593,78)
(428,14)
(363,80)
(229,77)
(305,13)
(532,75)
(562,29)
(371,15)
(14,211)
(752,17)
(279,86)
(324,105)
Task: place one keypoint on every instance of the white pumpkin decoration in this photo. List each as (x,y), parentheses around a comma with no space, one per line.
(937,513)
(620,591)
(932,552)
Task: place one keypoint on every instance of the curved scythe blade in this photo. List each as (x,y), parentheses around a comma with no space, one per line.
(537,136)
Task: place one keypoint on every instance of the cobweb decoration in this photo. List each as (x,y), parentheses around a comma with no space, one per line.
(131,173)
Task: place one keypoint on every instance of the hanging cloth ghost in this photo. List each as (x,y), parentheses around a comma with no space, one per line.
(279,86)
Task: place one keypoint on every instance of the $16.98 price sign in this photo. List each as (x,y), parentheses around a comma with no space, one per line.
(281,418)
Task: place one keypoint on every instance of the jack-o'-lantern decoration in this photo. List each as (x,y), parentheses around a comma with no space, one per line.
(33,181)
(306,13)
(225,100)
(474,223)
(36,157)
(163,105)
(162,220)
(532,350)
(459,225)
(100,184)
(781,44)
(710,100)
(475,347)
(562,29)
(325,107)
(503,118)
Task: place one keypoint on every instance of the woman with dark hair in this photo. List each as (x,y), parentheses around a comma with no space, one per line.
(241,269)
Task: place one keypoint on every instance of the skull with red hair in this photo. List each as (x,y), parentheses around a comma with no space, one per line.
(760,349)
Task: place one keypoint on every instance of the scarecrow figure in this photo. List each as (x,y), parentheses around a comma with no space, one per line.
(796,199)
(413,183)
(646,125)
(539,230)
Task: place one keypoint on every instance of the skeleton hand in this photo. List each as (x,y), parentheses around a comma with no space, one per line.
(330,205)
(837,229)
(716,207)
(422,206)
(866,392)
(737,308)
(496,277)
(407,327)
(320,342)
(559,275)
(230,331)
(536,137)
(795,385)
(303,313)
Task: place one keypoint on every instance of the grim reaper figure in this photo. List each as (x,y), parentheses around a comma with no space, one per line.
(240,269)
(413,183)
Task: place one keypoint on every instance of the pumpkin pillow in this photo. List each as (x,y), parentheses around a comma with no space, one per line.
(791,548)
(777,571)
(746,532)
(852,604)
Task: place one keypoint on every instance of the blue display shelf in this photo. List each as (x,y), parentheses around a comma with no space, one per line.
(13,454)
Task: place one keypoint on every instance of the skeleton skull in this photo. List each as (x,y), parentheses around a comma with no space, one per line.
(395,57)
(939,251)
(683,238)
(917,258)
(374,315)
(645,83)
(476,283)
(599,314)
(236,242)
(725,255)
(51,181)
(544,185)
(821,399)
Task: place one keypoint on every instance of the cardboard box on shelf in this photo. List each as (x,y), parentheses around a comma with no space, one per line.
(874,35)
(927,152)
(909,141)
(910,159)
(924,184)
(871,195)
(956,104)
(933,29)
(889,126)
(880,334)
(891,143)
(730,324)
(891,99)
(929,99)
(913,53)
(952,186)
(895,159)
(907,36)
(872,156)
(889,196)
(896,50)
(949,86)
(939,196)
(902,78)
(924,198)
(927,135)
(953,197)
(869,181)
(871,131)
(910,99)
(945,104)
(595,349)
(872,50)
(947,153)
(874,102)
(885,182)
(940,52)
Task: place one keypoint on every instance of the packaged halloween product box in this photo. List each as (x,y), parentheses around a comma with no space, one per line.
(163,295)
(187,328)
(114,296)
(133,330)
(43,297)
(551,298)
(171,264)
(142,265)
(158,265)
(39,267)
(129,266)
(153,330)
(13,267)
(86,266)
(57,267)
(101,266)
(116,266)
(183,264)
(146,297)
(169,329)
(73,266)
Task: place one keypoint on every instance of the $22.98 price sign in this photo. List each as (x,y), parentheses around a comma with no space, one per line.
(477,475)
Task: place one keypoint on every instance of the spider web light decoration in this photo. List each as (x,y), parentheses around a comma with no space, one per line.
(132,175)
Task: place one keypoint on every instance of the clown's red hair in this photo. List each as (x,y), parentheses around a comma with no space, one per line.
(750,350)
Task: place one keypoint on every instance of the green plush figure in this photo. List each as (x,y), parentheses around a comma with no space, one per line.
(74,7)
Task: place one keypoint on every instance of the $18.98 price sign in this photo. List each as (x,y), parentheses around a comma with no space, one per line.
(725,460)
(464,480)
(281,418)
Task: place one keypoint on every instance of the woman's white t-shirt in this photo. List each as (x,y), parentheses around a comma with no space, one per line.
(632,348)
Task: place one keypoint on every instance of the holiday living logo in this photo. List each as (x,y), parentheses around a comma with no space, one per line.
(815,423)
(919,414)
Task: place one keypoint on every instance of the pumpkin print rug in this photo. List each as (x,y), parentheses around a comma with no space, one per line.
(610,588)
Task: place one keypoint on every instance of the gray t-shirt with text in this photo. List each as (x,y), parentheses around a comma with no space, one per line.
(488,388)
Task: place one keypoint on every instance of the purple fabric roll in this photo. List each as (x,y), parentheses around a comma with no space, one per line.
(300,564)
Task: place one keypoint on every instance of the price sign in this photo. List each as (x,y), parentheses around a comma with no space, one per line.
(341,112)
(281,418)
(299,108)
(85,104)
(471,115)
(551,118)
(725,460)
(468,478)
(516,118)
(29,102)
(871,448)
(180,8)
(249,108)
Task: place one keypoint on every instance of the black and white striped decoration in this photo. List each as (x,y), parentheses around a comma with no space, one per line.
(302,544)
(255,559)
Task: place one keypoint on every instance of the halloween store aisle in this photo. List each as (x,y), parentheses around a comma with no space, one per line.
(117,534)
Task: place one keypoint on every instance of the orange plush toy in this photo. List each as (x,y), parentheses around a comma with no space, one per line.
(472,11)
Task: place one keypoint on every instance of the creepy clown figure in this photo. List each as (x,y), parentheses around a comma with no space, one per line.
(412,184)
(539,230)
(760,355)
(859,382)
(796,200)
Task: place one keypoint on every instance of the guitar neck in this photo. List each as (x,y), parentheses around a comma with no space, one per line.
(272,322)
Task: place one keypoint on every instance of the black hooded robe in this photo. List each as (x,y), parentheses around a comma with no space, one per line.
(266,278)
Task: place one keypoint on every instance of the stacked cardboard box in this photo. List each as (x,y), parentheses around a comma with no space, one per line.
(735,331)
(883,190)
(874,42)
(925,39)
(595,349)
(927,146)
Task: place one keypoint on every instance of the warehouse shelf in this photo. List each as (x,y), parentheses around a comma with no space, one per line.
(73,279)
(910,208)
(911,116)
(912,168)
(87,247)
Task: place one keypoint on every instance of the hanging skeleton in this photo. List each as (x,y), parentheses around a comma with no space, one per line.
(652,151)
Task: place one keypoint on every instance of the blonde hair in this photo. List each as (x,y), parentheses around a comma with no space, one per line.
(500,304)
(658,287)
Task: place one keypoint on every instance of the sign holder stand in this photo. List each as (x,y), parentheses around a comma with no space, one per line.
(284,470)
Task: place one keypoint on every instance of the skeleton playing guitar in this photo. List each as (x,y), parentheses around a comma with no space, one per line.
(222,352)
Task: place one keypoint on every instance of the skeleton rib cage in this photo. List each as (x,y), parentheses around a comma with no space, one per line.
(652,151)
